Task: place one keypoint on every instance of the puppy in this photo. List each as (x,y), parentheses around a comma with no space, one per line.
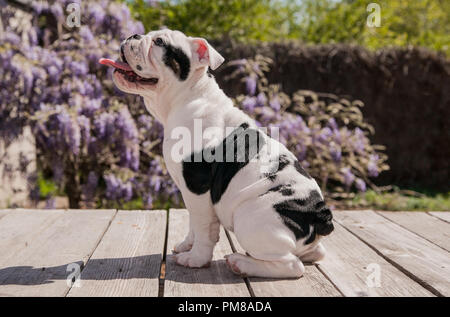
(233,174)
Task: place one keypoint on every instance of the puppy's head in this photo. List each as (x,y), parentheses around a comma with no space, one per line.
(160,59)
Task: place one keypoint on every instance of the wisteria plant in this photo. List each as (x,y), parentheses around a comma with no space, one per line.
(328,134)
(99,146)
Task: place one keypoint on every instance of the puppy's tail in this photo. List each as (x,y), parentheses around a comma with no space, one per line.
(323,223)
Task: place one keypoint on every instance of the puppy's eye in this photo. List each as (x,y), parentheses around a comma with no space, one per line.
(158,41)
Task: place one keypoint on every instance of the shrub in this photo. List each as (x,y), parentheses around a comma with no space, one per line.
(403,90)
(328,134)
(243,20)
(403,23)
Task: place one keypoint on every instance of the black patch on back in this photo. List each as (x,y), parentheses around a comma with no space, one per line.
(300,169)
(283,161)
(177,60)
(299,214)
(202,173)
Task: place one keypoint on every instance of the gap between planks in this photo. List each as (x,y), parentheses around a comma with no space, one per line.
(422,224)
(349,264)
(216,280)
(379,234)
(162,270)
(93,250)
(441,215)
(246,280)
(38,245)
(313,283)
(127,262)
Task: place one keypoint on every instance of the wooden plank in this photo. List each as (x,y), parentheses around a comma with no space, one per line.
(38,246)
(444,215)
(128,259)
(422,224)
(352,267)
(4,212)
(421,260)
(312,284)
(217,280)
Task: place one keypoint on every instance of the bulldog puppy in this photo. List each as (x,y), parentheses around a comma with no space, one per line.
(234,174)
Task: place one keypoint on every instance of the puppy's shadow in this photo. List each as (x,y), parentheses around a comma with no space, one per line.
(138,267)
(147,266)
(217,273)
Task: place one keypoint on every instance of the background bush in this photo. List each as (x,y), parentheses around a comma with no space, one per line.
(419,23)
(403,90)
(243,20)
(328,134)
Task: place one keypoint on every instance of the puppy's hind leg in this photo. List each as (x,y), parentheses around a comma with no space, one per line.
(314,255)
(248,266)
(269,243)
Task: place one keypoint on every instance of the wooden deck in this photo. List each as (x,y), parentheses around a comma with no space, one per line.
(128,253)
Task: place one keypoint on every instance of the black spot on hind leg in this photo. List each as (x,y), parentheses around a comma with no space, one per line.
(299,215)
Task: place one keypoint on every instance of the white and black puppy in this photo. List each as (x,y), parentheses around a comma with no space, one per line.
(234,175)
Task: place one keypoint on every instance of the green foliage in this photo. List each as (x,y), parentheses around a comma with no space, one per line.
(138,204)
(397,201)
(241,20)
(420,23)
(47,187)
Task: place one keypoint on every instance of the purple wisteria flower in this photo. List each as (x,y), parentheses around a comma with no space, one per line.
(249,104)
(90,187)
(261,99)
(349,177)
(250,84)
(372,166)
(335,152)
(50,203)
(275,104)
(360,185)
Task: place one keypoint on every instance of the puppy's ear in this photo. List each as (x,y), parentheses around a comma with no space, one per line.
(205,54)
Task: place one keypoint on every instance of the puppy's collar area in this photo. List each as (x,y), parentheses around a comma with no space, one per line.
(125,69)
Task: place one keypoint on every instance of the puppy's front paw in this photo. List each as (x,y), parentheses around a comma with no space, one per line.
(183,246)
(193,260)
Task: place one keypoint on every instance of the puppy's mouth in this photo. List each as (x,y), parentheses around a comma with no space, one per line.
(128,73)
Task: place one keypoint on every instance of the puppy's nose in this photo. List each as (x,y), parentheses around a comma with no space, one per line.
(134,37)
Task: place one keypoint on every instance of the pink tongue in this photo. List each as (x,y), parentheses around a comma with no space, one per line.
(119,65)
